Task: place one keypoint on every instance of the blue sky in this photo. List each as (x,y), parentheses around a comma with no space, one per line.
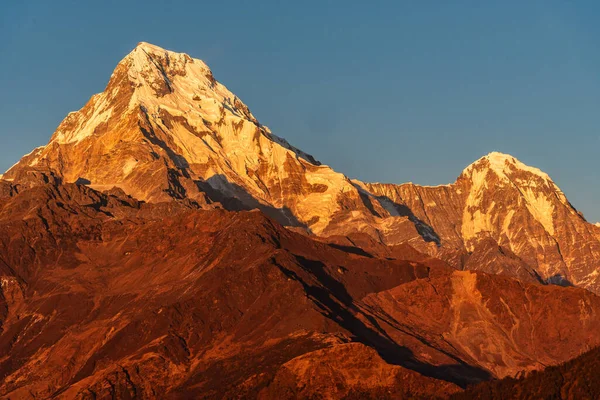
(390,91)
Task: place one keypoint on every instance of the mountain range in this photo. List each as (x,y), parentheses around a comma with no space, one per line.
(165,243)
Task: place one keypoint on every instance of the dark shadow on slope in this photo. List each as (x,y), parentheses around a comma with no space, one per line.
(559,280)
(574,379)
(234,197)
(351,249)
(149,134)
(218,188)
(425,231)
(364,197)
(335,303)
(82,181)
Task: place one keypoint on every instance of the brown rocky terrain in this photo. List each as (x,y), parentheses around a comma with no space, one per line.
(104,296)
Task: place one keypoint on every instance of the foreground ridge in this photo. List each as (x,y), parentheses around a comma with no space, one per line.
(146,300)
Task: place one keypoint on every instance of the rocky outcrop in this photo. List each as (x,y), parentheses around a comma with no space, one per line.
(351,371)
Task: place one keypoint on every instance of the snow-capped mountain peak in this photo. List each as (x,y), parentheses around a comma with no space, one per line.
(155,79)
(147,58)
(520,183)
(165,128)
(504,166)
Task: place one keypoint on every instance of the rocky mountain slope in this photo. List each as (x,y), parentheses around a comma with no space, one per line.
(103,296)
(500,202)
(165,129)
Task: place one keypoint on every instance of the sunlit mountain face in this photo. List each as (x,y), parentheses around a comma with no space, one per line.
(167,244)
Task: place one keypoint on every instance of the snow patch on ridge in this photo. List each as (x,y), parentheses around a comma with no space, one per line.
(32,162)
(475,222)
(129,165)
(84,127)
(541,208)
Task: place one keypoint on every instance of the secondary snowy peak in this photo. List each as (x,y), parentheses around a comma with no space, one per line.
(504,166)
(535,187)
(500,199)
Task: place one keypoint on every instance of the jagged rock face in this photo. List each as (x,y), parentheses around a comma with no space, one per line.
(104,296)
(519,208)
(165,129)
(351,371)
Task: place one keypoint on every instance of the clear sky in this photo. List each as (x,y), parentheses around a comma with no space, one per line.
(390,91)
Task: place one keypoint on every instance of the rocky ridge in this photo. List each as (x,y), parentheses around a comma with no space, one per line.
(500,202)
(104,296)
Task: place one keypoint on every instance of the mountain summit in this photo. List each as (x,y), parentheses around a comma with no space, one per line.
(509,170)
(530,182)
(165,129)
(509,218)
